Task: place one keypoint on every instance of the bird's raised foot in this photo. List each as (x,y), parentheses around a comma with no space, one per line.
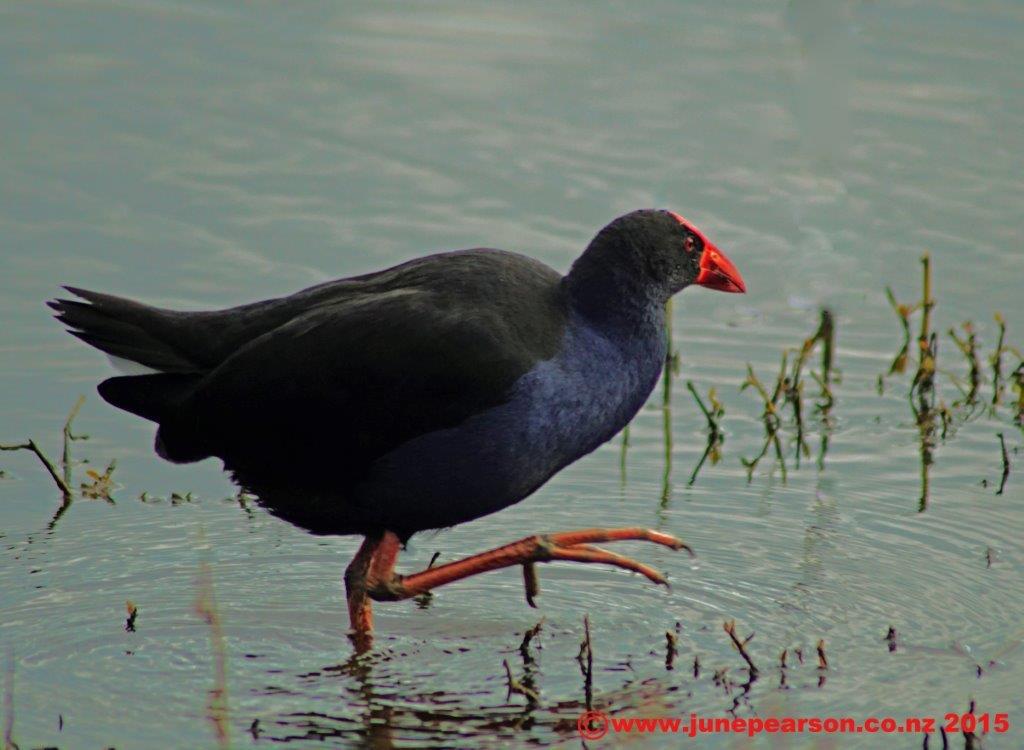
(571,546)
(371,575)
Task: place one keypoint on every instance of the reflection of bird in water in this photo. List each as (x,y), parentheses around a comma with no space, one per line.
(418,397)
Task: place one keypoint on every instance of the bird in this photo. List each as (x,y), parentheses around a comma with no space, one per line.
(417,397)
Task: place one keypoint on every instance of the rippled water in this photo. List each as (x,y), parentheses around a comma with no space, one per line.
(200,155)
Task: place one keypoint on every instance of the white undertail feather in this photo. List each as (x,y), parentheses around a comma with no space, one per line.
(127,367)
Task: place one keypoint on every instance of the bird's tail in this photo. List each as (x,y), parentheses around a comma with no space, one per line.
(153,397)
(138,333)
(123,328)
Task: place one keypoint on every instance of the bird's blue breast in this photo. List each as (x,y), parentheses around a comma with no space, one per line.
(562,409)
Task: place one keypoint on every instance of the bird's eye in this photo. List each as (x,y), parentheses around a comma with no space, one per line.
(689,244)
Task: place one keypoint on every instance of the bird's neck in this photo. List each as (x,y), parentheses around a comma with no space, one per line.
(613,294)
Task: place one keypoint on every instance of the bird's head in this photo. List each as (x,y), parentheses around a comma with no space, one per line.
(655,254)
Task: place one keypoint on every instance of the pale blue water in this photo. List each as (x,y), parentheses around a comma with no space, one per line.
(204,154)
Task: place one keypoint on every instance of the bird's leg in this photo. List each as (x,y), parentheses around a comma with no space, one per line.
(360,608)
(383,584)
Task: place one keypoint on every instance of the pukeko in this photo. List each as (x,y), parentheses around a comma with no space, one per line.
(417,397)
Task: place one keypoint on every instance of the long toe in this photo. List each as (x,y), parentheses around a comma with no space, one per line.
(587,536)
(583,553)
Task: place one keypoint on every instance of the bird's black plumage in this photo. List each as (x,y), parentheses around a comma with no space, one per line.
(315,400)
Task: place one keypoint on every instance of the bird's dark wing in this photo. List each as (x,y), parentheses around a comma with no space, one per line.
(356,375)
(173,341)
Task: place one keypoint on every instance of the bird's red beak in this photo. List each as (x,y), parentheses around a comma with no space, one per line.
(718,272)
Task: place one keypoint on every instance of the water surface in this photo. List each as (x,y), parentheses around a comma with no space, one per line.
(199,155)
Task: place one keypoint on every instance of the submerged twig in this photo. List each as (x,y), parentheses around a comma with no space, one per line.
(62,478)
(890,638)
(671,358)
(926,426)
(769,416)
(713,415)
(968,346)
(969,737)
(671,369)
(729,626)
(822,660)
(903,312)
(996,360)
(789,387)
(515,686)
(671,649)
(30,445)
(586,662)
(927,303)
(102,484)
(666,474)
(528,636)
(1018,385)
(826,334)
(1006,463)
(69,438)
(217,704)
(923,386)
(929,410)
(793,391)
(925,338)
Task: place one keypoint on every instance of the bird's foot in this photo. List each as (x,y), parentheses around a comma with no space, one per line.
(383,584)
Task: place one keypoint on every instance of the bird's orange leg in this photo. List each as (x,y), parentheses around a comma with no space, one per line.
(360,608)
(383,584)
